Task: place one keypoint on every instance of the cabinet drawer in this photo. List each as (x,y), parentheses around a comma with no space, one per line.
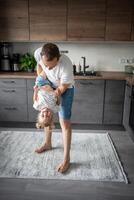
(13,95)
(89,90)
(13,113)
(11,83)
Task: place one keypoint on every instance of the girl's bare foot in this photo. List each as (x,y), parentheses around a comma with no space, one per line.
(43,148)
(63,167)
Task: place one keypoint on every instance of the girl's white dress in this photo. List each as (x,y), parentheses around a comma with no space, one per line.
(46,100)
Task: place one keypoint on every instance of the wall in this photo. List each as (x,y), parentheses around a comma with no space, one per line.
(99,55)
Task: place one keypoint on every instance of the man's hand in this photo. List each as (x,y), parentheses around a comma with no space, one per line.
(61,89)
(57,92)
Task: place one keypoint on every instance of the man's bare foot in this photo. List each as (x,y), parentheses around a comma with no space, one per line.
(43,148)
(63,167)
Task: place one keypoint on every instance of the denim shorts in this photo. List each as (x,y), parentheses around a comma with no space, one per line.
(66,104)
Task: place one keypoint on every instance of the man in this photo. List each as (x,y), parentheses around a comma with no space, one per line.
(59,70)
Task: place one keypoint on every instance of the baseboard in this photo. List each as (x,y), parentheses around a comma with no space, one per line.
(57,126)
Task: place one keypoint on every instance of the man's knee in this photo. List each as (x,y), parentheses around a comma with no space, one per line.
(65,123)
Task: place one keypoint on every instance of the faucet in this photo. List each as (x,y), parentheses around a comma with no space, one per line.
(84,65)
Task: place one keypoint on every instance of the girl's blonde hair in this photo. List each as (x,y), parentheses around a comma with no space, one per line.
(42,123)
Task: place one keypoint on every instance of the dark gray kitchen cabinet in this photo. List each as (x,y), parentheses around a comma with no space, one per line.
(127,103)
(13,100)
(114,101)
(127,110)
(88,102)
(14,22)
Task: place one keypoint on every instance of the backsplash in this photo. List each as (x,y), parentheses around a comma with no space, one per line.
(99,56)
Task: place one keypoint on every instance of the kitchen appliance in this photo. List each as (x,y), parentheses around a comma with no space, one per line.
(131,117)
(5,58)
(15,62)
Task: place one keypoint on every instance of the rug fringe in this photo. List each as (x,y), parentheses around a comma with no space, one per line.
(117,157)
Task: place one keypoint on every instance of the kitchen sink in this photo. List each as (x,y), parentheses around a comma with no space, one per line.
(88,73)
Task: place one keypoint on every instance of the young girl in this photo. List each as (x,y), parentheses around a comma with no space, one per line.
(46,102)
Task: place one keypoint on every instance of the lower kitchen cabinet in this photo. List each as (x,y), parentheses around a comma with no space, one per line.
(95,101)
(13,112)
(127,110)
(127,104)
(114,102)
(13,100)
(88,102)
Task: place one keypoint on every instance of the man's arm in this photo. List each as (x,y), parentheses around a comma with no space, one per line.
(39,69)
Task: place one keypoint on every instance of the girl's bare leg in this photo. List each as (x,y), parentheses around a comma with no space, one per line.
(47,144)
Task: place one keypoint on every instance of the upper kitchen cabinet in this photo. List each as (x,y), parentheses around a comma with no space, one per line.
(14,20)
(47,19)
(86,19)
(132,35)
(118,20)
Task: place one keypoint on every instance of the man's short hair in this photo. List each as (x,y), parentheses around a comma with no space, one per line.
(51,51)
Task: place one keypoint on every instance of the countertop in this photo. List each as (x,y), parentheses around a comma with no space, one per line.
(102,75)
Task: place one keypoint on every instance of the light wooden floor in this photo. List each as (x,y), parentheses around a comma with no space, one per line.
(33,189)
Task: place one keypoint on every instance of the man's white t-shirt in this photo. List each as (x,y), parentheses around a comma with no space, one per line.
(61,73)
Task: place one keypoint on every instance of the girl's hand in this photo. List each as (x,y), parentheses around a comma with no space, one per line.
(35,87)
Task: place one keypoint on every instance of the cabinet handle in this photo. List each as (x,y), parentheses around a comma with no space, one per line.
(9,91)
(10,108)
(84,83)
(8,81)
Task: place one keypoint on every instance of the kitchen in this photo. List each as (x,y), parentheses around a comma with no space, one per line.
(100,31)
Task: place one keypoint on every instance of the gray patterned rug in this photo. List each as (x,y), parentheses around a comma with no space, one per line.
(93,157)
